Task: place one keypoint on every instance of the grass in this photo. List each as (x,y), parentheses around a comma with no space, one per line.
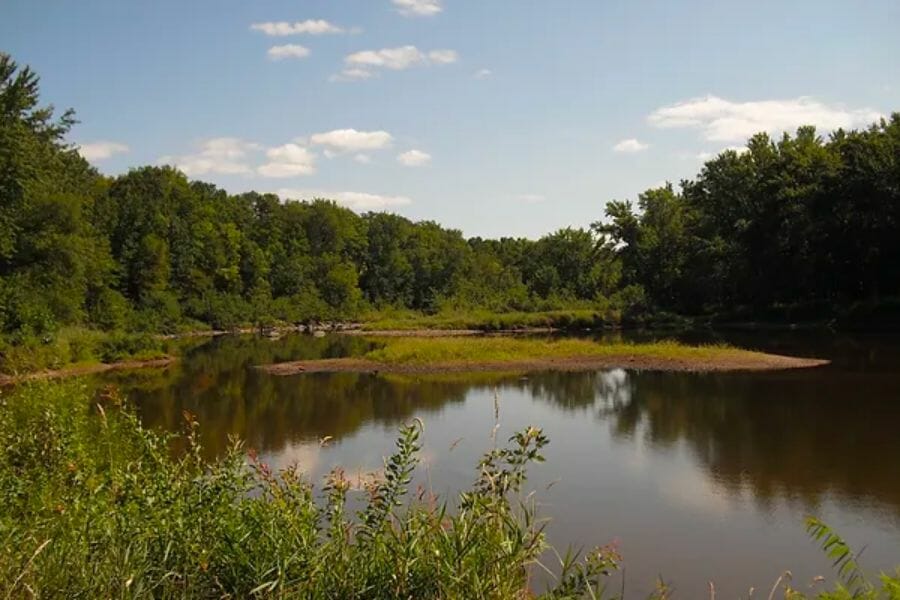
(73,346)
(430,350)
(92,505)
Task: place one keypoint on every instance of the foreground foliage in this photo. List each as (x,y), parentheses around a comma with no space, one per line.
(76,345)
(93,505)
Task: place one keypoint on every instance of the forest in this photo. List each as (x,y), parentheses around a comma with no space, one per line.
(804,220)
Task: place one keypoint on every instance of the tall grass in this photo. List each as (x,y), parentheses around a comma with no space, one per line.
(92,505)
(430,350)
(77,345)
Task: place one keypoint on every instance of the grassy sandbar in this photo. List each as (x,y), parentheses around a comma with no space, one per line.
(454,354)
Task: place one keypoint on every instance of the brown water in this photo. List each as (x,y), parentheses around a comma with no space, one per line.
(694,476)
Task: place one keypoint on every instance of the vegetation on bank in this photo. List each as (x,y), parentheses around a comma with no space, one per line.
(151,251)
(76,346)
(573,319)
(429,354)
(422,351)
(94,505)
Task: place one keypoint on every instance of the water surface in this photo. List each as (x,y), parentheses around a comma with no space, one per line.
(694,476)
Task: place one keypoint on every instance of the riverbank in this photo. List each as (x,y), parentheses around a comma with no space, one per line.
(461,354)
(78,370)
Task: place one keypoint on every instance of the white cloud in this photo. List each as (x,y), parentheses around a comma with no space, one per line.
(418,8)
(396,59)
(630,146)
(530,198)
(483,73)
(363,159)
(414,158)
(283,28)
(224,156)
(355,200)
(95,151)
(724,120)
(289,160)
(341,141)
(288,51)
(363,64)
(443,57)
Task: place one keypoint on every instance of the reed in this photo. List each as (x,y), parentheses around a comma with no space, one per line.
(92,505)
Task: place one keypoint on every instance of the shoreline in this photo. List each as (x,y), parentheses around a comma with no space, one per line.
(754,362)
(87,369)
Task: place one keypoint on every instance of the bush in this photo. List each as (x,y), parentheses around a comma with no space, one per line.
(120,346)
(110,310)
(25,354)
(93,506)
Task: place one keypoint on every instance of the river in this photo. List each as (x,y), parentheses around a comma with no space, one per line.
(695,477)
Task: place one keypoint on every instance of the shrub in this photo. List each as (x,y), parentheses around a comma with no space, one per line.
(110,310)
(95,506)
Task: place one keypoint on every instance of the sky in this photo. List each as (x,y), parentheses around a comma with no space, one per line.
(495,117)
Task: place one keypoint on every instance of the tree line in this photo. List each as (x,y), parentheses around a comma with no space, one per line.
(803,219)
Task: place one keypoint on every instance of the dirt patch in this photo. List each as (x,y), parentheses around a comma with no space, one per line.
(750,362)
(77,370)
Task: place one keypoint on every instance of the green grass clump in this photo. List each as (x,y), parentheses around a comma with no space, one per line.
(431,350)
(94,506)
(76,346)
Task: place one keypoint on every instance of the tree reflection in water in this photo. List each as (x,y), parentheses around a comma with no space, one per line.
(794,435)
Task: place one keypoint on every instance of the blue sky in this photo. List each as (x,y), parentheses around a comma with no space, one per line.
(497,117)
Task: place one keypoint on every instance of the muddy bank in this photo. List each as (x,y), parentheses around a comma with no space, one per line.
(78,370)
(751,362)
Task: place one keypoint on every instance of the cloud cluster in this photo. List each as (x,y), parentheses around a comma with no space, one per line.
(366,63)
(359,201)
(288,160)
(718,119)
(308,27)
(418,8)
(222,156)
(630,146)
(341,141)
(233,156)
(96,151)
